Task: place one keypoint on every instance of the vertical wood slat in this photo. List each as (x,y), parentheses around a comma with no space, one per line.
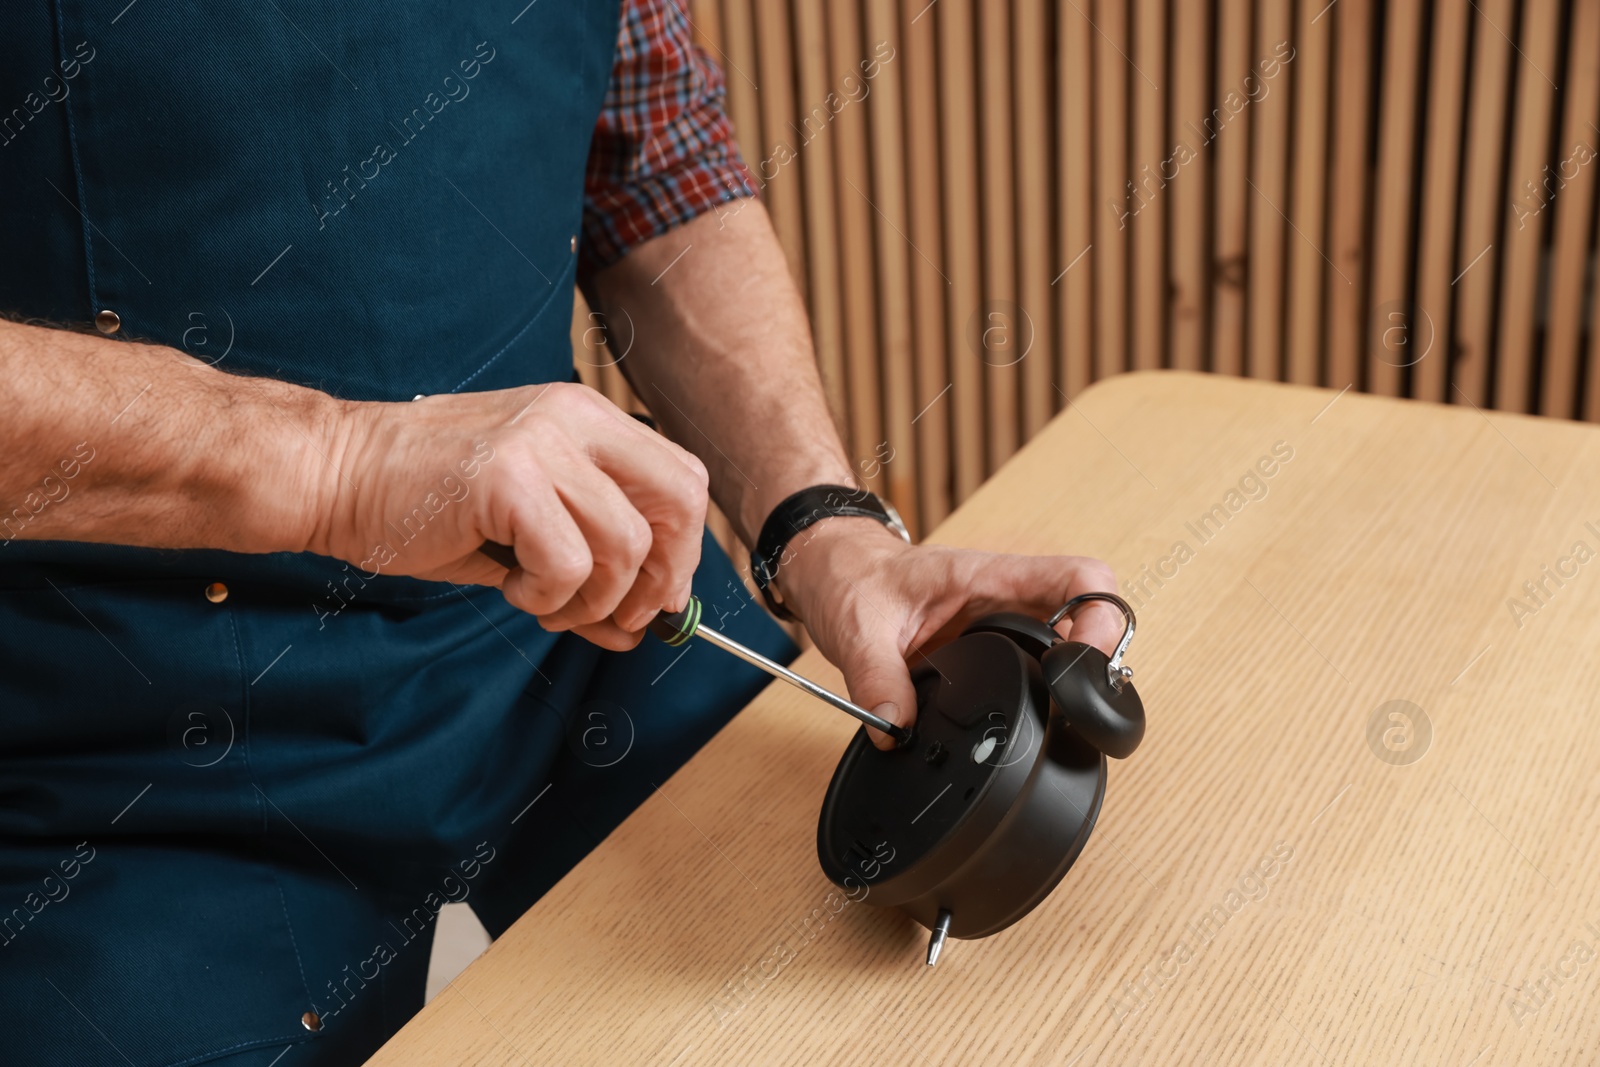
(776,168)
(1436,238)
(1147,229)
(1031,48)
(705,25)
(856,214)
(1477,259)
(1308,200)
(1591,400)
(1231,203)
(893,307)
(959,170)
(1391,336)
(999,329)
(744,100)
(1347,195)
(1075,155)
(917,58)
(816,162)
(1110,267)
(1572,220)
(1269,181)
(1188,269)
(1523,241)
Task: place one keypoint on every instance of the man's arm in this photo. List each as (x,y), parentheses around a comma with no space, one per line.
(126,443)
(724,360)
(135,444)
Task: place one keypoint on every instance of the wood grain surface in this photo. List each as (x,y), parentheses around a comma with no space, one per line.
(1272,880)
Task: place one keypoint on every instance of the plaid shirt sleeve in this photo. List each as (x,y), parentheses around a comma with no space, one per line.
(663,149)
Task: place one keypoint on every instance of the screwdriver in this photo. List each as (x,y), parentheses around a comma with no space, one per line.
(676,627)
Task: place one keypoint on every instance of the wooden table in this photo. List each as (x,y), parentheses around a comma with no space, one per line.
(1432,892)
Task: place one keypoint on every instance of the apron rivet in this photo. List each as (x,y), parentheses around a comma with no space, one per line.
(107,321)
(216,592)
(311,1021)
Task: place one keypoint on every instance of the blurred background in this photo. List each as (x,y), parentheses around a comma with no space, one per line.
(989,205)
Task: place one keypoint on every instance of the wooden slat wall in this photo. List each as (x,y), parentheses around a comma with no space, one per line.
(1025,197)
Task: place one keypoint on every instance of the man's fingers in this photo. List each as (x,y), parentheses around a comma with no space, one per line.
(677,515)
(878,680)
(677,451)
(636,501)
(619,540)
(1094,622)
(552,555)
(1039,585)
(672,496)
(607,634)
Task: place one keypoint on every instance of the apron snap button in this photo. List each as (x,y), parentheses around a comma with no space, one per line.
(311,1021)
(107,321)
(216,592)
(574,242)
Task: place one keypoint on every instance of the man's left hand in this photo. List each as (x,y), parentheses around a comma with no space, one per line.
(872,603)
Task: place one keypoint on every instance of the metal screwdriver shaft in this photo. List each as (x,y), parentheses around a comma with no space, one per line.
(677,627)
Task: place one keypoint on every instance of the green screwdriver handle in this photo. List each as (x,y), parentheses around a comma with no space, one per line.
(676,627)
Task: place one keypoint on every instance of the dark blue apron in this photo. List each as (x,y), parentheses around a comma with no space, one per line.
(226,826)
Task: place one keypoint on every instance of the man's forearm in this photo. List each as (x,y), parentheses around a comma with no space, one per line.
(723,358)
(126,443)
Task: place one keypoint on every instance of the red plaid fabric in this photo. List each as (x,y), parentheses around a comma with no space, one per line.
(663,150)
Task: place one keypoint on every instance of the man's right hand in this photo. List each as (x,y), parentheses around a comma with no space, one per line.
(605,515)
(121,442)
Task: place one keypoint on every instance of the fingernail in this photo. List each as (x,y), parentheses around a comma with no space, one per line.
(891,711)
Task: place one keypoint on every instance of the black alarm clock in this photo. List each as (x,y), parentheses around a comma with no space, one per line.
(981,809)
(968,825)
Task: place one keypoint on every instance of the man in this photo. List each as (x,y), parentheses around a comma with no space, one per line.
(289,292)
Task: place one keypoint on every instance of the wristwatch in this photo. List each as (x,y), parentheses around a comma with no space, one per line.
(799,511)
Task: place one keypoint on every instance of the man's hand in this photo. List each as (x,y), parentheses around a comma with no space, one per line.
(605,515)
(871,602)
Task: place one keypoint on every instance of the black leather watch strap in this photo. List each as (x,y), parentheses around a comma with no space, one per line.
(799,511)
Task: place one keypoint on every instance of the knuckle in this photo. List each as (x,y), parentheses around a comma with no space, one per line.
(695,498)
(585,399)
(529,597)
(568,571)
(640,539)
(636,540)
(697,469)
(1100,573)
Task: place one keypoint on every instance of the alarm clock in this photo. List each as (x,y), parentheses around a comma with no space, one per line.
(968,825)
